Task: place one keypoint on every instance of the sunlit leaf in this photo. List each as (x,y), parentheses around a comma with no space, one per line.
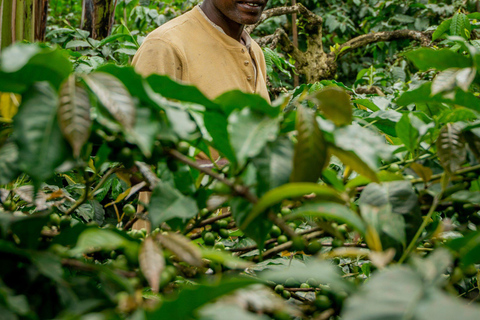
(335,104)
(114,96)
(310,155)
(151,262)
(74,114)
(451,147)
(182,247)
(292,190)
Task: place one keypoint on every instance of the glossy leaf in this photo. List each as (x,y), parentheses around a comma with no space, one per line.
(41,145)
(182,247)
(151,262)
(335,104)
(74,114)
(192,298)
(451,147)
(350,159)
(333,211)
(407,132)
(274,164)
(24,64)
(451,78)
(249,132)
(400,292)
(427,58)
(321,271)
(114,96)
(8,163)
(310,155)
(468,248)
(401,198)
(442,29)
(168,204)
(291,190)
(460,26)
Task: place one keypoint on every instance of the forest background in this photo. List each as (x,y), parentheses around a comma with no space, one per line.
(355,195)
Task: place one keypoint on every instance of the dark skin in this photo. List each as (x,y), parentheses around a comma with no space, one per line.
(233,15)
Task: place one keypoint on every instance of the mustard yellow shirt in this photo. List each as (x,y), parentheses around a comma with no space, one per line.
(191,50)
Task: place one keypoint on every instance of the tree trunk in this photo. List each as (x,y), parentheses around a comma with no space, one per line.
(98,17)
(41,14)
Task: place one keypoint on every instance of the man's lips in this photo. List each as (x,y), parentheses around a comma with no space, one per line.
(252,4)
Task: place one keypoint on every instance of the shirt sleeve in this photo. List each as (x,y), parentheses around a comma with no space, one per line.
(160,57)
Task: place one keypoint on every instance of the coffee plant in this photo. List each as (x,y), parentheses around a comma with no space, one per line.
(328,203)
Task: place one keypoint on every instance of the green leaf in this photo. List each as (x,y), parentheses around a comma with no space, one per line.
(401,198)
(74,114)
(407,132)
(114,96)
(96,239)
(40,142)
(451,148)
(238,100)
(216,124)
(442,29)
(367,104)
(274,165)
(368,146)
(332,211)
(182,247)
(399,293)
(321,271)
(260,225)
(460,26)
(22,64)
(427,58)
(9,169)
(423,95)
(167,204)
(310,156)
(468,248)
(451,78)
(249,133)
(291,190)
(192,298)
(335,104)
(174,90)
(385,120)
(350,158)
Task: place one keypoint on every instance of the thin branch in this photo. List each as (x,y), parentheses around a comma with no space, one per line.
(370,38)
(207,222)
(280,11)
(237,189)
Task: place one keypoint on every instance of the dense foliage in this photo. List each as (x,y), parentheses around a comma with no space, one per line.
(347,205)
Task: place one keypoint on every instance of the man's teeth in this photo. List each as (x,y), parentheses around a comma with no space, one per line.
(252,4)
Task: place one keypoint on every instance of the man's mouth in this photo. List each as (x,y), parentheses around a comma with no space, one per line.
(251,4)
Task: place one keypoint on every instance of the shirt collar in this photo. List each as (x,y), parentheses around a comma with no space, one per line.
(244,38)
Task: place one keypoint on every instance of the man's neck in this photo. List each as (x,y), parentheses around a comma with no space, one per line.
(230,28)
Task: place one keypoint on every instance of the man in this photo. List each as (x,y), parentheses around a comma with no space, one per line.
(209,48)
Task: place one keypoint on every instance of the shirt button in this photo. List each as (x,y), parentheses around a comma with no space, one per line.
(247,63)
(249,78)
(243,50)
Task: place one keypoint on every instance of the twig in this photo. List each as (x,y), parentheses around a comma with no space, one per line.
(254,247)
(237,189)
(82,200)
(285,246)
(207,221)
(426,220)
